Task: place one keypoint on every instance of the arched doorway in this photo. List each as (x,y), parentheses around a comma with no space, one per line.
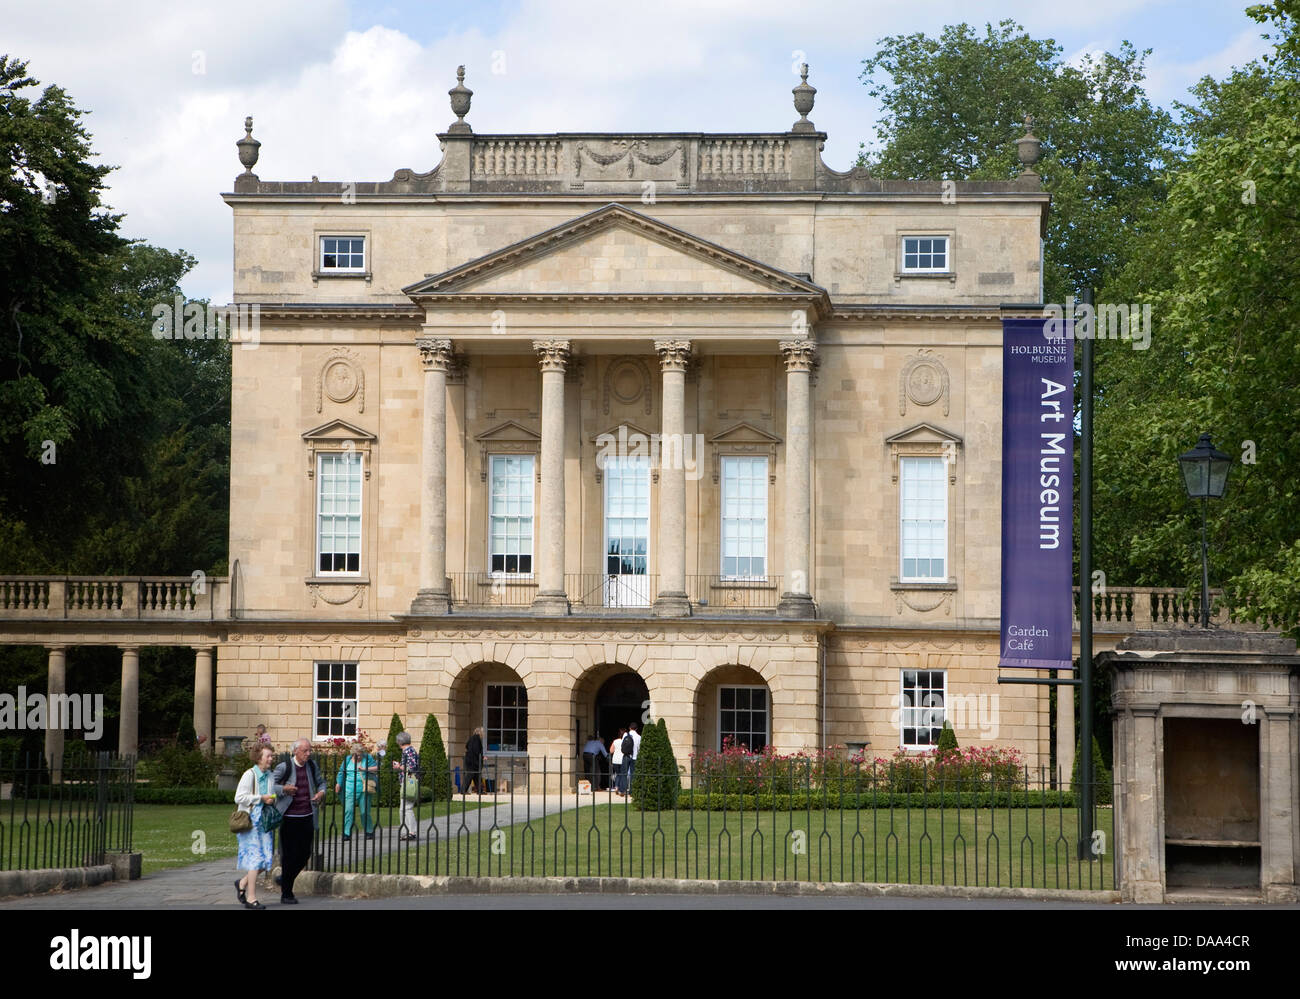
(621,700)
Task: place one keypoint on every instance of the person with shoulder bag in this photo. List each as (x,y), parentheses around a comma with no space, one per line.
(299,805)
(408,769)
(253,797)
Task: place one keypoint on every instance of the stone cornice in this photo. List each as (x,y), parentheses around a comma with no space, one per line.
(616,298)
(930,313)
(366,314)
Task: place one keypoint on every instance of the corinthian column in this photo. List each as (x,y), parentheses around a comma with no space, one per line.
(796,601)
(552,356)
(433,597)
(672,600)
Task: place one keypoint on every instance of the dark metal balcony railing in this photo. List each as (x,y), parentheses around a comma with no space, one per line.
(488,589)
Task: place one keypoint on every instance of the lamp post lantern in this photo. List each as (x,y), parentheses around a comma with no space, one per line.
(1205,476)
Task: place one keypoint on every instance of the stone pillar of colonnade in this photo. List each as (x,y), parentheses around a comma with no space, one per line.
(551,599)
(433,596)
(672,600)
(796,599)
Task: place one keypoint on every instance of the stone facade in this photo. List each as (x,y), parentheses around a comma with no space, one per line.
(539,296)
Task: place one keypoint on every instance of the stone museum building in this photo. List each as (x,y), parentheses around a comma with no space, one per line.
(565,430)
(572,427)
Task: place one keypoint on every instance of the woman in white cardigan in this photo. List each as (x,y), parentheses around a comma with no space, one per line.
(255,846)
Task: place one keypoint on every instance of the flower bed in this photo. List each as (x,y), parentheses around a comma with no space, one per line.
(735,770)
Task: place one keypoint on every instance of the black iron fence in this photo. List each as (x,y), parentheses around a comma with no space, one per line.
(913,824)
(71,815)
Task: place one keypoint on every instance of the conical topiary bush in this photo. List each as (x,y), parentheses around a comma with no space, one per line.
(657,781)
(435,774)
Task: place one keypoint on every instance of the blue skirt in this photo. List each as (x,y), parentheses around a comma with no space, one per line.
(256,848)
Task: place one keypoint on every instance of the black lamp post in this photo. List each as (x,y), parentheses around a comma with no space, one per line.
(1205,474)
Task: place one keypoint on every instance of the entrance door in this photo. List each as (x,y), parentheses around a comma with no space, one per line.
(627,532)
(621,700)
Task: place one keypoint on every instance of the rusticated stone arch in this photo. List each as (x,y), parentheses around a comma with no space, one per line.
(705,697)
(587,684)
(466,701)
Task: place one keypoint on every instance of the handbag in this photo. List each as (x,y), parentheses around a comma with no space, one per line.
(411,788)
(271,818)
(371,785)
(240,820)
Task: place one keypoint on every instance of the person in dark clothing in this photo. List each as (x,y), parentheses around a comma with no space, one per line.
(473,769)
(304,790)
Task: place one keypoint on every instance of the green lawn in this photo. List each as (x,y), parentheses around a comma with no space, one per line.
(167,835)
(999,847)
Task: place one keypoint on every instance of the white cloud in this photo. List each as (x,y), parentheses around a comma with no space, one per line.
(356,105)
(1168,78)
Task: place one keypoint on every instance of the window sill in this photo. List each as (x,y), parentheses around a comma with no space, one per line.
(348,579)
(743,583)
(316,275)
(931,275)
(920,584)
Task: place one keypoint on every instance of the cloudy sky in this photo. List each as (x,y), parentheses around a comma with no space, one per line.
(353,91)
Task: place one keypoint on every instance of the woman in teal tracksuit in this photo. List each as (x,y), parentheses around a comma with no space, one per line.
(350,785)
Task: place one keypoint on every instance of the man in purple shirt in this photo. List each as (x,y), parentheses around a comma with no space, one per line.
(303,792)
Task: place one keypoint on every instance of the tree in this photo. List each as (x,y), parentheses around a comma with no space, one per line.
(114,445)
(390,780)
(656,782)
(433,761)
(1102,782)
(954,106)
(947,741)
(1222,356)
(186,737)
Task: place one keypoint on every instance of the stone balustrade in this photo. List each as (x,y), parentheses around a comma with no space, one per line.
(132,598)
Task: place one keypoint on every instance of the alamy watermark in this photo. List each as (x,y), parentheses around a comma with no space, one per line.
(1082,321)
(37,712)
(182,320)
(663,451)
(964,713)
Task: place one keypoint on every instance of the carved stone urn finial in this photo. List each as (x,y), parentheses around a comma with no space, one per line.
(1027,147)
(248,148)
(803,102)
(460,97)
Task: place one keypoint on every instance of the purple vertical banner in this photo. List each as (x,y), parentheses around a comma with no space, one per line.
(1037,494)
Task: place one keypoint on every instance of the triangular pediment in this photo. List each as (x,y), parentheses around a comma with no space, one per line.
(624,430)
(923,433)
(338,430)
(508,431)
(744,433)
(615,251)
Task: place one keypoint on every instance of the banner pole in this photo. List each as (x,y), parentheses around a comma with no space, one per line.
(1086,790)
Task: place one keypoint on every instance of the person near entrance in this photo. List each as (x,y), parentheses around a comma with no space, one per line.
(629,755)
(616,761)
(591,754)
(304,791)
(473,772)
